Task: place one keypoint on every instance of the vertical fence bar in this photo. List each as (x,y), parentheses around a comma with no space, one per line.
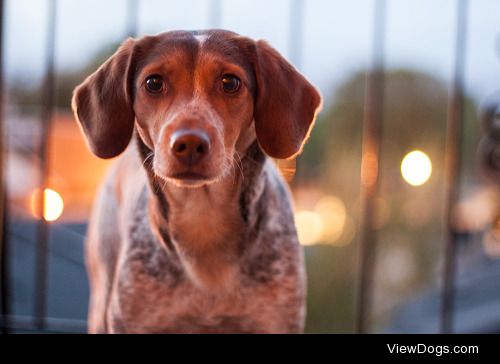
(215,14)
(452,167)
(3,202)
(288,167)
(47,112)
(132,17)
(296,31)
(372,132)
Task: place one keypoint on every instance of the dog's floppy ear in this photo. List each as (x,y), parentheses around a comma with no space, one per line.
(286,104)
(103,104)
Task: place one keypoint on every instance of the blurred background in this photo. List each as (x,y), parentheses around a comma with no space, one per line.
(410,86)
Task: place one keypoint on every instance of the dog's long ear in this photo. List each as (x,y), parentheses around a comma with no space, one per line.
(286,104)
(103,103)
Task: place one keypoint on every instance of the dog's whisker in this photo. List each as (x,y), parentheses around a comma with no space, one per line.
(164,185)
(235,165)
(148,157)
(229,169)
(239,163)
(233,158)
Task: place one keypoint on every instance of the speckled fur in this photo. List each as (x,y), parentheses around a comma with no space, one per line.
(151,291)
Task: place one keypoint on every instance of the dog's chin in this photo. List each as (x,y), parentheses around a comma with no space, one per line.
(192,178)
(189,179)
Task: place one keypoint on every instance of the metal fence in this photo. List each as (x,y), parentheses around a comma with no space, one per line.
(371,141)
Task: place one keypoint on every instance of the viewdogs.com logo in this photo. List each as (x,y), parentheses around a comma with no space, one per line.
(436,350)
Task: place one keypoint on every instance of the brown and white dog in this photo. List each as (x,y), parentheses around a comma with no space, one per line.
(193,230)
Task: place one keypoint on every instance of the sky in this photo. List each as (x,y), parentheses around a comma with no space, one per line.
(336,36)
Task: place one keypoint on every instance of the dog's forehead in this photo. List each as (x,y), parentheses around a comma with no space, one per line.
(192,44)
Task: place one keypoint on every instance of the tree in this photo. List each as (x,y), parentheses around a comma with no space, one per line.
(409,218)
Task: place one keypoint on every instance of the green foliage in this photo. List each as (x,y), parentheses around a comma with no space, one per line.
(409,237)
(331,289)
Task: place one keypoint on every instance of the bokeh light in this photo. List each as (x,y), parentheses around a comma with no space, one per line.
(416,168)
(332,212)
(53,206)
(328,223)
(309,227)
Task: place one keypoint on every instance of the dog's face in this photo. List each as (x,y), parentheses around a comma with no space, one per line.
(193,97)
(192,104)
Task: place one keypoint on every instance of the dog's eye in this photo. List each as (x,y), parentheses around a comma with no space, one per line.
(154,84)
(230,84)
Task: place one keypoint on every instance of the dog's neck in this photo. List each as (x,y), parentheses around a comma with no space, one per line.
(206,227)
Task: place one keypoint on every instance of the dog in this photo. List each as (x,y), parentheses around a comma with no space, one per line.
(192,230)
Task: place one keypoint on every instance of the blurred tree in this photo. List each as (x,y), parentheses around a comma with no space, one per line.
(409,218)
(415,111)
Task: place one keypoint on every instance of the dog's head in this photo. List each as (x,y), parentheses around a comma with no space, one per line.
(193,97)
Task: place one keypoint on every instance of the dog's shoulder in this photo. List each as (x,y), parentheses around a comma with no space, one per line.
(277,203)
(276,252)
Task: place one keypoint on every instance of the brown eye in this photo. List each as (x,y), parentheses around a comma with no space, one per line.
(230,84)
(154,84)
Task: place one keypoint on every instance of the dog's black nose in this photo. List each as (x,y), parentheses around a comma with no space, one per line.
(189,146)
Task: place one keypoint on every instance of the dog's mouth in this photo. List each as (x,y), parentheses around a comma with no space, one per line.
(189,176)
(188,179)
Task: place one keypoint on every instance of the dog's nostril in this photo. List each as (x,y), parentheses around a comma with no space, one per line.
(180,148)
(189,146)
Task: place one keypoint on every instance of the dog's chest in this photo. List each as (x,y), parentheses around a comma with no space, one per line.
(155,294)
(149,307)
(156,288)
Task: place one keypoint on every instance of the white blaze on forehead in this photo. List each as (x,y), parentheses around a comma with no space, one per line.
(198,85)
(201,38)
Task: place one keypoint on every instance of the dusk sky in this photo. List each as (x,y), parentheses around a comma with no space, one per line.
(336,40)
